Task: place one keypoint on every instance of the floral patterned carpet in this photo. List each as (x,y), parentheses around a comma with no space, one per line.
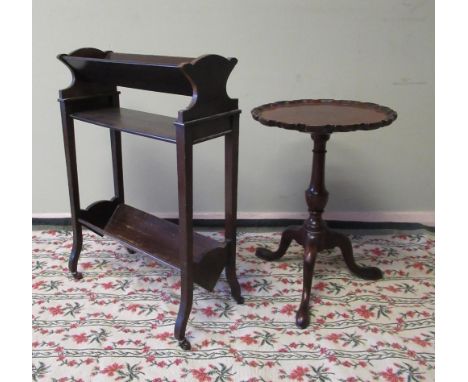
(116,323)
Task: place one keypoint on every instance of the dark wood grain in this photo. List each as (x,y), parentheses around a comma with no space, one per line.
(148,125)
(161,240)
(324,116)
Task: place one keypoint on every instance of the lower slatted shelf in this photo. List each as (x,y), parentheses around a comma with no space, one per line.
(159,239)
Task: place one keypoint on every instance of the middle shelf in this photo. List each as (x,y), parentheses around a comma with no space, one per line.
(149,125)
(157,238)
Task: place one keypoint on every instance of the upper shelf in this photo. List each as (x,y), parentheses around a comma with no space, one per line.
(96,72)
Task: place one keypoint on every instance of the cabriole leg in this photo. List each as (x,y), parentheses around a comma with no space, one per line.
(289,234)
(310,255)
(344,244)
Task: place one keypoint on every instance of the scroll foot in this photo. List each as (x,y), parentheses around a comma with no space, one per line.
(366,273)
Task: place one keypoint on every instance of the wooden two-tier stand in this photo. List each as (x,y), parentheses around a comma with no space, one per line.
(93,98)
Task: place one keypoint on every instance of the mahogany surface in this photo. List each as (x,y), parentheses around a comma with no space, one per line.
(324,116)
(93,97)
(320,118)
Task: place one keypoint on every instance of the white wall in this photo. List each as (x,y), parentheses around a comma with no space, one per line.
(369,50)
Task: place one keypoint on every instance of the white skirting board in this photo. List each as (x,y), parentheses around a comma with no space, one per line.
(422,217)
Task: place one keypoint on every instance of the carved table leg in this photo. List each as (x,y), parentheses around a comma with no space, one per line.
(289,234)
(310,254)
(314,235)
(341,241)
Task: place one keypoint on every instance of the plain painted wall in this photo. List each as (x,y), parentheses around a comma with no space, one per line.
(367,50)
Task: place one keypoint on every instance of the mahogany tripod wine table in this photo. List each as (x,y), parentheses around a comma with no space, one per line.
(320,118)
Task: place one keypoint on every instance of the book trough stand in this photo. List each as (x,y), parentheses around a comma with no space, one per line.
(93,97)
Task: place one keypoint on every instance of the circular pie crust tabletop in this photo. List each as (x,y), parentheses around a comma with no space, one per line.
(324,116)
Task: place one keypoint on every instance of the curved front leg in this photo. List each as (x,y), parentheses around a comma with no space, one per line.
(341,241)
(186,300)
(296,233)
(302,315)
(75,252)
(231,275)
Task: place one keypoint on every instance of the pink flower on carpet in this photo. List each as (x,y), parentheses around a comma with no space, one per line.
(87,265)
(420,342)
(248,287)
(208,312)
(201,375)
(298,373)
(377,251)
(205,343)
(334,337)
(80,338)
(364,312)
(38,284)
(133,307)
(108,285)
(111,369)
(288,309)
(320,286)
(56,310)
(283,266)
(418,265)
(390,376)
(163,336)
(392,288)
(176,285)
(248,339)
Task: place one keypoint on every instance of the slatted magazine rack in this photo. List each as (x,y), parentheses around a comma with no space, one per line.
(93,97)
